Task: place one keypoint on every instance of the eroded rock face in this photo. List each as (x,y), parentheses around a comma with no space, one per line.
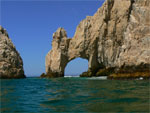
(117,36)
(11,64)
(136,44)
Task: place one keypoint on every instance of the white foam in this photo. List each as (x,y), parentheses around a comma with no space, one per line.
(141,78)
(92,78)
(70,76)
(99,78)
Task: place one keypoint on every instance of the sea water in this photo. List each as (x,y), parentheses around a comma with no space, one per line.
(74,95)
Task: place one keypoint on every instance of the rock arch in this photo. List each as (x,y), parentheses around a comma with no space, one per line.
(64,50)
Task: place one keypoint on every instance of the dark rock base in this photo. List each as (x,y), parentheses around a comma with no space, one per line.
(98,72)
(128,72)
(51,75)
(135,75)
(125,72)
(12,77)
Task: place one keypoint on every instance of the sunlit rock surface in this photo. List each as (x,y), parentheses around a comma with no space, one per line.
(11,64)
(115,40)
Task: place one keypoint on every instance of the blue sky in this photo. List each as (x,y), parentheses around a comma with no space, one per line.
(30,25)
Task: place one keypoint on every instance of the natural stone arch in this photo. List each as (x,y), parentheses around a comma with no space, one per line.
(65,49)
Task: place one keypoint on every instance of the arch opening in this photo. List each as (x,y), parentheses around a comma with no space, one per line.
(76,67)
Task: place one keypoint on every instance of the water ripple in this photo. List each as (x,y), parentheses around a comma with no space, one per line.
(74,94)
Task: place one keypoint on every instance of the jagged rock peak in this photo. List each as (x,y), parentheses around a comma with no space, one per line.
(3,31)
(11,64)
(60,33)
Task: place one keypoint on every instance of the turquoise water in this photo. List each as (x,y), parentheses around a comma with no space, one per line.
(74,95)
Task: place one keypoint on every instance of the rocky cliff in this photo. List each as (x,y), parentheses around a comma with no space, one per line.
(115,41)
(11,64)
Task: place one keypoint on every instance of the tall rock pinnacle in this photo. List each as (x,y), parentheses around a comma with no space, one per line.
(11,64)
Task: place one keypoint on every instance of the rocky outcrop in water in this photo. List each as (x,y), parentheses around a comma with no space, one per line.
(11,64)
(115,41)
